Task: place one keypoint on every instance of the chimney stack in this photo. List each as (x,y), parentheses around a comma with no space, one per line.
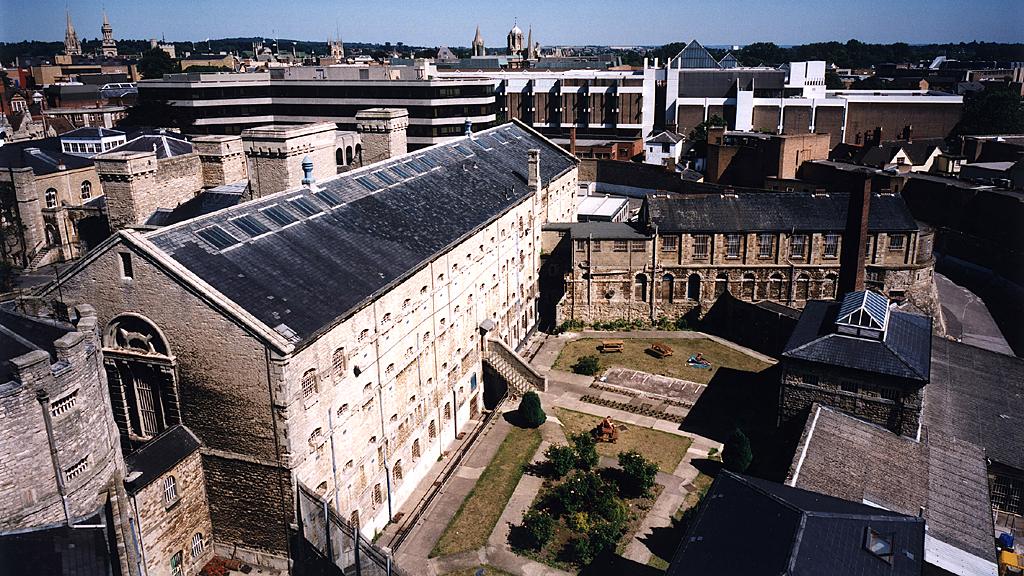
(533,171)
(878,135)
(382,132)
(572,140)
(851,259)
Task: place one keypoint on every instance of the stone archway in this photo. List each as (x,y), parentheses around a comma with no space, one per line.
(142,376)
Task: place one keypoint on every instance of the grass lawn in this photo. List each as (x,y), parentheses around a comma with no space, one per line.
(475,520)
(661,447)
(488,571)
(634,356)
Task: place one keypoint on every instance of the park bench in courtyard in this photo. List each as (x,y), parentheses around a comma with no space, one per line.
(661,350)
(612,345)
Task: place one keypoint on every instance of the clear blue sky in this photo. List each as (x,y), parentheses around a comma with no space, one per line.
(452,22)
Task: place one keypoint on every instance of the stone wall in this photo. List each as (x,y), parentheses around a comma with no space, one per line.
(275,153)
(73,392)
(222,158)
(804,383)
(137,183)
(382,131)
(167,528)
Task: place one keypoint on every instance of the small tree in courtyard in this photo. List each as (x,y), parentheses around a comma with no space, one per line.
(561,459)
(530,411)
(586,450)
(736,454)
(587,365)
(638,474)
(538,527)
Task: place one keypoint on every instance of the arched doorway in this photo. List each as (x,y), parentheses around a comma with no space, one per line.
(747,287)
(668,288)
(52,235)
(776,285)
(339,157)
(828,286)
(359,153)
(348,155)
(142,377)
(803,287)
(641,287)
(721,284)
(693,287)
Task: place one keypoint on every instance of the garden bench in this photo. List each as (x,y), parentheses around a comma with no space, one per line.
(661,350)
(612,345)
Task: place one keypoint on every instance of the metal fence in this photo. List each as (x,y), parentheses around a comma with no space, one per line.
(337,540)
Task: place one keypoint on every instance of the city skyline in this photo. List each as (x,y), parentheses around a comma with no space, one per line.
(451,22)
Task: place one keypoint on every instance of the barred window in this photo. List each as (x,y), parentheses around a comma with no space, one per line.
(339,362)
(732,246)
(765,243)
(637,246)
(581,245)
(77,470)
(170,490)
(309,383)
(669,243)
(364,334)
(896,242)
(831,245)
(701,242)
(197,545)
(176,569)
(64,404)
(797,245)
(620,246)
(595,245)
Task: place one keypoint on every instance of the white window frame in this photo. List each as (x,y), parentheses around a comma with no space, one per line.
(170,490)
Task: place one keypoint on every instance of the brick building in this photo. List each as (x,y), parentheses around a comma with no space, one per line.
(750,158)
(340,322)
(785,247)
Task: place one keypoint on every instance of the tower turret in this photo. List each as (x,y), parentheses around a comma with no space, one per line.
(72,47)
(108,46)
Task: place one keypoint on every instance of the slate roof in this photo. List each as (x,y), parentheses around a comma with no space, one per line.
(978,396)
(665,137)
(599,230)
(303,277)
(904,353)
(20,334)
(944,477)
(165,145)
(879,156)
(160,455)
(90,133)
(205,202)
(44,156)
(771,211)
(746,525)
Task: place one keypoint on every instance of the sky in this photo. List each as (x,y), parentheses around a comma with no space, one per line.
(453,22)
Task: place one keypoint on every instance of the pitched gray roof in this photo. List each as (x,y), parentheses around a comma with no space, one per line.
(771,211)
(20,334)
(904,353)
(365,234)
(160,455)
(165,145)
(90,133)
(793,531)
(665,137)
(42,156)
(943,477)
(978,395)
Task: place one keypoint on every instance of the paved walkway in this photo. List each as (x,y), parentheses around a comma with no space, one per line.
(967,318)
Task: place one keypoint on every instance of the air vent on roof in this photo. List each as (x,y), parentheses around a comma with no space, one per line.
(303,205)
(279,215)
(216,236)
(250,225)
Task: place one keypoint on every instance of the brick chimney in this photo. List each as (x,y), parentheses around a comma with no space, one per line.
(851,259)
(572,140)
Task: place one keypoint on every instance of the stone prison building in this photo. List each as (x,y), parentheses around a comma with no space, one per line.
(331,335)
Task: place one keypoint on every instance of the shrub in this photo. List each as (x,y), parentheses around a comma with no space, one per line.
(682,324)
(604,536)
(637,475)
(530,412)
(586,450)
(580,493)
(588,365)
(538,527)
(561,459)
(580,522)
(581,550)
(736,454)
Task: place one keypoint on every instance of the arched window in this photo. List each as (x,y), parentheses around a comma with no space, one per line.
(359,153)
(803,287)
(170,490)
(378,495)
(339,157)
(416,448)
(432,430)
(197,545)
(397,473)
(448,411)
(338,362)
(176,561)
(721,284)
(348,155)
(776,285)
(747,287)
(667,288)
(641,287)
(309,383)
(51,197)
(693,287)
(828,286)
(86,190)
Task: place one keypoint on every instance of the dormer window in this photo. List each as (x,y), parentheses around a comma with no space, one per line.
(864,313)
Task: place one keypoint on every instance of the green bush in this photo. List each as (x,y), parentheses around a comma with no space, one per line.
(638,474)
(581,550)
(736,454)
(586,450)
(538,527)
(682,324)
(581,492)
(604,536)
(530,411)
(579,522)
(561,459)
(570,326)
(588,365)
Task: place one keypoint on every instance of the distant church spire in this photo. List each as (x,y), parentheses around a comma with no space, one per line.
(515,41)
(72,47)
(108,46)
(478,43)
(531,49)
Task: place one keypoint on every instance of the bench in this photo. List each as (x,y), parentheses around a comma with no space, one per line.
(661,350)
(612,345)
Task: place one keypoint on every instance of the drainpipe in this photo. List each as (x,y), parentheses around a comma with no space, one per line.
(654,273)
(384,439)
(334,462)
(44,403)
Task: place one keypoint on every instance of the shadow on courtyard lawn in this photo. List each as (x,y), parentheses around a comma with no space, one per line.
(749,401)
